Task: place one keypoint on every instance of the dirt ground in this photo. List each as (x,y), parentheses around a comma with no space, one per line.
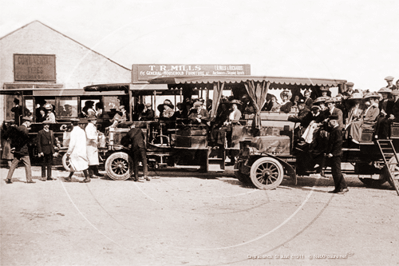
(183,218)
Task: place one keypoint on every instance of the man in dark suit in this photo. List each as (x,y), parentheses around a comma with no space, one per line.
(19,145)
(334,152)
(45,146)
(334,111)
(138,149)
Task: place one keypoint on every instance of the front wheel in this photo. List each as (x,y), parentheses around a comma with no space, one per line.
(267,173)
(119,166)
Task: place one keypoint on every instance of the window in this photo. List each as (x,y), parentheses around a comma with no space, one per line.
(67,107)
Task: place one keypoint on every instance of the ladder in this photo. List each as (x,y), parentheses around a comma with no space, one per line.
(388,152)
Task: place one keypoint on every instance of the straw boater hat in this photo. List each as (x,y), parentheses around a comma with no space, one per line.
(287,93)
(385,90)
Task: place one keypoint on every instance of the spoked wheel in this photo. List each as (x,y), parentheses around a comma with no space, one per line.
(267,173)
(394,167)
(119,166)
(66,163)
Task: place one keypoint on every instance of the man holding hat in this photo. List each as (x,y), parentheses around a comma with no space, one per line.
(45,146)
(390,85)
(92,150)
(334,152)
(19,145)
(77,151)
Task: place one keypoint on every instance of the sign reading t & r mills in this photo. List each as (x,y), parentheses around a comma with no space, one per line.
(143,72)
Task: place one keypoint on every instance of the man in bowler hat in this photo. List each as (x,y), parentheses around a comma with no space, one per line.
(45,146)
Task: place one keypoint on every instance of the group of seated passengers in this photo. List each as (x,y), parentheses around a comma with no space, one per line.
(373,111)
(289,101)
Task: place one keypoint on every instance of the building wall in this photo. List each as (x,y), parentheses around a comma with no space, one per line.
(76,65)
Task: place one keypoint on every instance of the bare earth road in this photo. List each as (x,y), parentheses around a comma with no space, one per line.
(184,219)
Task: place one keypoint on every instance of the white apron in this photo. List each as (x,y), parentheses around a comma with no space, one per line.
(91,142)
(77,149)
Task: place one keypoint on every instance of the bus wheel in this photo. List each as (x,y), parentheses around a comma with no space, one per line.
(394,167)
(118,166)
(267,173)
(66,163)
(374,183)
(240,176)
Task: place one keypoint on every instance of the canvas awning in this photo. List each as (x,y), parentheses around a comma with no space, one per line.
(244,79)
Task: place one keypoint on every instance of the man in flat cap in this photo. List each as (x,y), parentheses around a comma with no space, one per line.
(19,145)
(334,111)
(334,153)
(390,85)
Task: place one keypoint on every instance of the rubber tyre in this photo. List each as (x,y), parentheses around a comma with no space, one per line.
(394,167)
(65,163)
(240,176)
(267,173)
(373,183)
(119,166)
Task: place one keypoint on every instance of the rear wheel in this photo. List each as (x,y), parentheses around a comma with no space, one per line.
(394,167)
(267,173)
(66,163)
(119,166)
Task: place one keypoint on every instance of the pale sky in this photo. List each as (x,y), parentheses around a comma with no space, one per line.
(353,40)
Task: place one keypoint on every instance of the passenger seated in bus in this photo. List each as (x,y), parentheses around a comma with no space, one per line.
(235,114)
(308,100)
(180,113)
(246,106)
(198,115)
(50,116)
(19,112)
(302,118)
(385,105)
(138,112)
(368,118)
(166,110)
(148,113)
(119,118)
(99,108)
(88,111)
(356,109)
(316,118)
(332,110)
(286,104)
(42,115)
(325,92)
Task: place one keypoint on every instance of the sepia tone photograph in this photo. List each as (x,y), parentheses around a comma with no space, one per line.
(195,132)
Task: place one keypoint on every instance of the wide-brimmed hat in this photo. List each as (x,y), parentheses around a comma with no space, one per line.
(48,106)
(333,100)
(287,93)
(168,103)
(315,107)
(385,90)
(321,99)
(372,95)
(235,101)
(356,96)
(197,104)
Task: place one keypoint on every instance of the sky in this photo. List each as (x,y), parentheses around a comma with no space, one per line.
(353,40)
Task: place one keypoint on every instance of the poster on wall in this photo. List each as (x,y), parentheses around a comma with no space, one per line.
(34,67)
